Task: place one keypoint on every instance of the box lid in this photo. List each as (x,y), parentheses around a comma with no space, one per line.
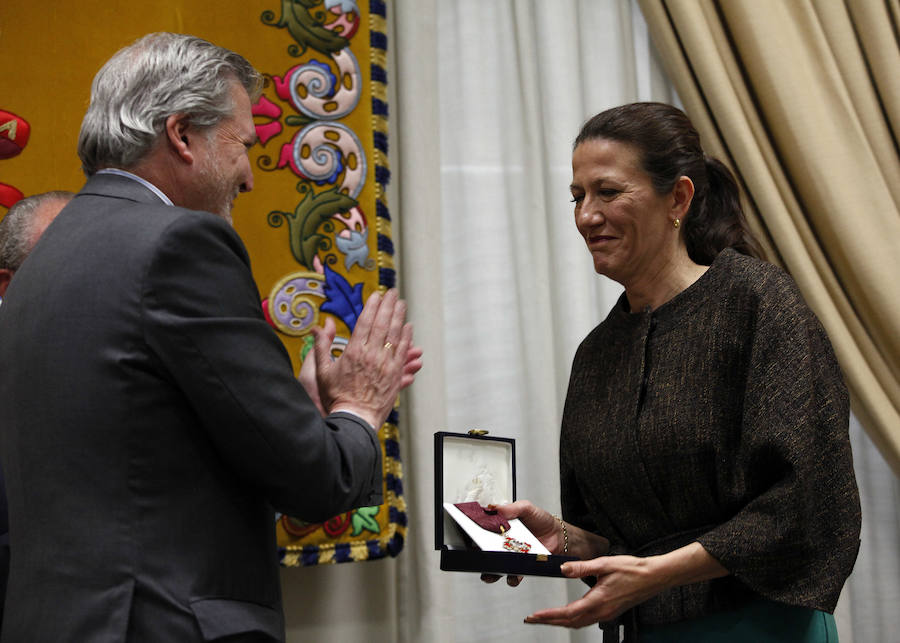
(470,467)
(478,467)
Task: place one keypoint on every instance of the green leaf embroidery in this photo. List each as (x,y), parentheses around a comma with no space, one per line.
(364,518)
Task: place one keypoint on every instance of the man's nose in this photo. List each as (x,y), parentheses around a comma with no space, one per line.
(247,185)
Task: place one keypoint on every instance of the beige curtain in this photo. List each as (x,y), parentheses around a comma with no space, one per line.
(802,99)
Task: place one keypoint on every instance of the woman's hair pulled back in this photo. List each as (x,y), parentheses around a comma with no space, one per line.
(669,148)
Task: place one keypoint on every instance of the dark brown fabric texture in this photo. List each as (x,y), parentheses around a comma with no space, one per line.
(721,417)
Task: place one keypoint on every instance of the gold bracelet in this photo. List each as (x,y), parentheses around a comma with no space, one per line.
(565,533)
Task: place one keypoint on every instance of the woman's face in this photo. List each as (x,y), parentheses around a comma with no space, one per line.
(625,223)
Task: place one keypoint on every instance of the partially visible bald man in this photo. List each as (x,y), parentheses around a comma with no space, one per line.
(21,228)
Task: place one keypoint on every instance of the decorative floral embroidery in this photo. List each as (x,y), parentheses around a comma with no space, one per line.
(311,103)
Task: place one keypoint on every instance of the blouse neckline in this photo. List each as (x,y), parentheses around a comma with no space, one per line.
(698,293)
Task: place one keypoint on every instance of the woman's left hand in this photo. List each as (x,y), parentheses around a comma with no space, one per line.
(625,581)
(622,582)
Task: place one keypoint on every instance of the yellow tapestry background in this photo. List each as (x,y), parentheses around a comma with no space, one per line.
(49,56)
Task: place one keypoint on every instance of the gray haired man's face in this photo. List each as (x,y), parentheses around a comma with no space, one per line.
(224,166)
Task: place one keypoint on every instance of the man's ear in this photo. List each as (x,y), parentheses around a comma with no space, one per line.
(177,126)
(5,277)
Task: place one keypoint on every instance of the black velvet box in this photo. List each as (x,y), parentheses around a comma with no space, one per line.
(477,467)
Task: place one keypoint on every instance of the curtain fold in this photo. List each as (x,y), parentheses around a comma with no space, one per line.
(801,99)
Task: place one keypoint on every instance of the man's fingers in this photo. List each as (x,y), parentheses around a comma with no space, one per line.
(413,365)
(322,347)
(381,321)
(380,333)
(363,327)
(414,354)
(396,329)
(403,342)
(376,363)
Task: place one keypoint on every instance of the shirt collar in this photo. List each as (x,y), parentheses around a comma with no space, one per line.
(135,177)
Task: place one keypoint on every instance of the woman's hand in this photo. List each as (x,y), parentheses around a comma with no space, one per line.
(570,540)
(625,581)
(622,581)
(539,522)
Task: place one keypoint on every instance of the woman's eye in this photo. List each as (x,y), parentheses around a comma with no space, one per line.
(577,198)
(608,193)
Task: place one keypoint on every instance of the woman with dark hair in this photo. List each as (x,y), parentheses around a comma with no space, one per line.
(706,475)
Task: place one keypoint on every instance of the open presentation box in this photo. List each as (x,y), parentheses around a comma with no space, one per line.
(476,467)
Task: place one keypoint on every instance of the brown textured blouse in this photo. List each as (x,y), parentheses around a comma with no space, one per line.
(721,417)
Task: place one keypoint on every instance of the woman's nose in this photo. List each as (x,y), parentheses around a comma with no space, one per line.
(590,212)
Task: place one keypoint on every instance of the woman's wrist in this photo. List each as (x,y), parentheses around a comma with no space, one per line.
(688,564)
(579,542)
(565,534)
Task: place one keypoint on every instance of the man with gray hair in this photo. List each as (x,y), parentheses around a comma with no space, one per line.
(157,423)
(22,227)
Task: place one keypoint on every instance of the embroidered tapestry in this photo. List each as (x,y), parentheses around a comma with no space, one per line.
(316,224)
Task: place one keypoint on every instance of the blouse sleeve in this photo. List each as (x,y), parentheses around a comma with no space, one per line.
(796,541)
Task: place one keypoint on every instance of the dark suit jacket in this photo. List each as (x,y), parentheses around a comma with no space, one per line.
(150,424)
(4,544)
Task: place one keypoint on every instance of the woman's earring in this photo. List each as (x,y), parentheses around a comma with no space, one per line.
(676,222)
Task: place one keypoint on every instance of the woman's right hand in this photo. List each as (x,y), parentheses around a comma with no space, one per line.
(540,522)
